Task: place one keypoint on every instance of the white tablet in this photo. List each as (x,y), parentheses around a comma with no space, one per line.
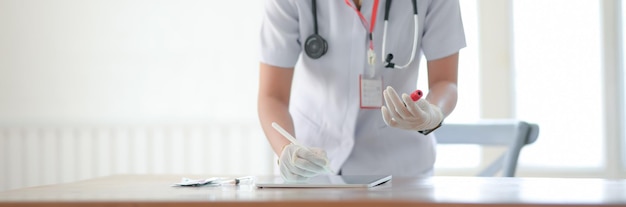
(327,181)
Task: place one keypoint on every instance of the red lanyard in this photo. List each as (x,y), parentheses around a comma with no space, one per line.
(370,28)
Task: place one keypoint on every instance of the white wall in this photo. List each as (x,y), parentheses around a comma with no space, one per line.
(158,73)
(121,60)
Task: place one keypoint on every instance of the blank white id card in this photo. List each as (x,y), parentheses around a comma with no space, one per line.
(371,92)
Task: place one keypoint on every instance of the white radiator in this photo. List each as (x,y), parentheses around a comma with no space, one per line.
(39,155)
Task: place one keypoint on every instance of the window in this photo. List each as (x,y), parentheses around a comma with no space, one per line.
(557,52)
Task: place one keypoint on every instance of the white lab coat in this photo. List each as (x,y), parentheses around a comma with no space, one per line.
(325,91)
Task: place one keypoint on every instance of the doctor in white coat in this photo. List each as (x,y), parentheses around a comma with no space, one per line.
(326,77)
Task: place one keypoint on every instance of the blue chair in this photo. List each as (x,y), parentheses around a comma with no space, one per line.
(513,134)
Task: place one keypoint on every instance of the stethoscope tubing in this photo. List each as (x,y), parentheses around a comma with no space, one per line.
(316,46)
(388,63)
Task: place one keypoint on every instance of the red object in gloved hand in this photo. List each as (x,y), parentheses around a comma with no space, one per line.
(404,113)
(416,95)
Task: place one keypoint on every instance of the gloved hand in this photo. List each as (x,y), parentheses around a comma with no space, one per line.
(299,163)
(406,114)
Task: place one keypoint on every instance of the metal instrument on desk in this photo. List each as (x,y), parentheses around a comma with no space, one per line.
(216,181)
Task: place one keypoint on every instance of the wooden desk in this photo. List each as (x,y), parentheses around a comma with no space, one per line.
(155,190)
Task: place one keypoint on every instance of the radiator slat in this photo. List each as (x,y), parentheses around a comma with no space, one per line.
(219,140)
(15,158)
(51,172)
(103,156)
(85,153)
(32,156)
(35,155)
(195,149)
(158,156)
(4,152)
(239,147)
(122,151)
(67,155)
(140,150)
(176,149)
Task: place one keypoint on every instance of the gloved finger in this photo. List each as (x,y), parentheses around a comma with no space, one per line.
(391,106)
(294,168)
(411,105)
(300,171)
(288,159)
(319,152)
(309,161)
(405,124)
(432,112)
(322,153)
(387,117)
(307,168)
(425,108)
(288,175)
(311,156)
(399,105)
(424,105)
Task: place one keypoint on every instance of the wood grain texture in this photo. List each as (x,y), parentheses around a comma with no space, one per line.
(155,190)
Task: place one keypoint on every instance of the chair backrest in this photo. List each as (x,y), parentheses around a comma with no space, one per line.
(513,134)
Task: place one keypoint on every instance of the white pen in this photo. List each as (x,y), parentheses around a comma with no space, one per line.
(293,140)
(285,133)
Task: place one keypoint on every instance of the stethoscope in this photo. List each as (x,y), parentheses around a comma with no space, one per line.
(315,46)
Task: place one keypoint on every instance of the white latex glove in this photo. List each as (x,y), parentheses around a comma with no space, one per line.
(298,163)
(406,114)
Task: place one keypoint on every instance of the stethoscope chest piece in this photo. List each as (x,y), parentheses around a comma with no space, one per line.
(315,46)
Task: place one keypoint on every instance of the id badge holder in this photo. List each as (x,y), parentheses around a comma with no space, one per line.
(371,92)
(370,88)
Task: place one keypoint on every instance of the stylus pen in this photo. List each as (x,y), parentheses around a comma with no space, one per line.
(293,140)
